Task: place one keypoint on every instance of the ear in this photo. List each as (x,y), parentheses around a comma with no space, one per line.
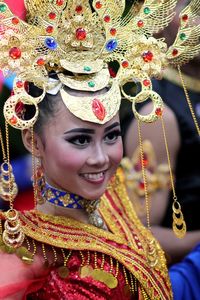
(35,145)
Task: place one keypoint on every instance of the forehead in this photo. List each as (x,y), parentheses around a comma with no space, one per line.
(63,119)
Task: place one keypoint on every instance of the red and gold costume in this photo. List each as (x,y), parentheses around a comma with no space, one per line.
(85,262)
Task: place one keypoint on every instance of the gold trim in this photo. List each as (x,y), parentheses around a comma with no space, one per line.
(124,242)
(192,84)
(110,101)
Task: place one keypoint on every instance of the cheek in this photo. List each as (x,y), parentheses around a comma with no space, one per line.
(117,153)
(67,159)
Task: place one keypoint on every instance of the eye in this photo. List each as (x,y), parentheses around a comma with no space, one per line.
(112,136)
(80,140)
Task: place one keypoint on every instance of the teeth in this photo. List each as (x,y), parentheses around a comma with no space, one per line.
(93,176)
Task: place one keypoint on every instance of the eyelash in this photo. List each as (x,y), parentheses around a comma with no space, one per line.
(88,138)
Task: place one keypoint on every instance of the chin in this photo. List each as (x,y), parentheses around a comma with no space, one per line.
(95,195)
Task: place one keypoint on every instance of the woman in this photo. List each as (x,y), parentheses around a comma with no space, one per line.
(89,248)
(84,229)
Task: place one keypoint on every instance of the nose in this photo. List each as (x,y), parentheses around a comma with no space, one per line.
(98,156)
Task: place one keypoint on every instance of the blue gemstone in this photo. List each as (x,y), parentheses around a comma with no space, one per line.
(50,43)
(111,45)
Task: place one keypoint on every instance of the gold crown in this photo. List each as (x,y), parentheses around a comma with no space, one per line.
(84,38)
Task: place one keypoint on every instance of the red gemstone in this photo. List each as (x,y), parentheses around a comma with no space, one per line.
(158,112)
(147,56)
(15,21)
(52,15)
(49,29)
(81,34)
(59,2)
(107,18)
(98,4)
(79,9)
(13,120)
(113,31)
(40,62)
(174,52)
(146,82)
(125,64)
(185,18)
(140,23)
(19,84)
(98,109)
(15,53)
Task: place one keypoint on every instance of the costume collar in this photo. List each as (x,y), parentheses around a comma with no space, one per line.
(62,198)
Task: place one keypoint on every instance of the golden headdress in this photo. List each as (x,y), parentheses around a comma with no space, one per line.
(83,37)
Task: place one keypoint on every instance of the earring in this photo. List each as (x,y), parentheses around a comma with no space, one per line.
(39,183)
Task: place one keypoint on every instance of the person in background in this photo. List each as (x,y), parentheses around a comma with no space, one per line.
(184,145)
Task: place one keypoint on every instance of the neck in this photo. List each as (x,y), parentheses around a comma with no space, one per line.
(79,215)
(61,203)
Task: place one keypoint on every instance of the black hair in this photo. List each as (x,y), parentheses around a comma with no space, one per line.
(47,107)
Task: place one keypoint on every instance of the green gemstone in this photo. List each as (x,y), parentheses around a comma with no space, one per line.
(3,7)
(182,36)
(147,10)
(91,83)
(86,68)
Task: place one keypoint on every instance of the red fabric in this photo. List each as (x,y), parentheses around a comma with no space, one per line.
(25,200)
(75,287)
(21,281)
(17,7)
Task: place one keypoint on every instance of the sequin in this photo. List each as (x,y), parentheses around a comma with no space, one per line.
(74,287)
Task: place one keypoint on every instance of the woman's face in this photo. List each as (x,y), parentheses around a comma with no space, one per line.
(78,156)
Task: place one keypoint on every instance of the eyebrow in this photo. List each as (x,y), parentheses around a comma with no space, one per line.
(91,131)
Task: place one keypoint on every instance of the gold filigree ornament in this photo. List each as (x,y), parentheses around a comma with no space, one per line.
(83,37)
(178,225)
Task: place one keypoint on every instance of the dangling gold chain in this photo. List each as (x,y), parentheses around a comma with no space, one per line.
(152,256)
(178,225)
(33,168)
(189,101)
(147,202)
(8,162)
(2,146)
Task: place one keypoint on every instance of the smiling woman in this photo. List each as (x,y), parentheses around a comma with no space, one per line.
(84,226)
(83,239)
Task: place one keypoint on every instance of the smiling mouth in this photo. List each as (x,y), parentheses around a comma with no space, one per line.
(94,177)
